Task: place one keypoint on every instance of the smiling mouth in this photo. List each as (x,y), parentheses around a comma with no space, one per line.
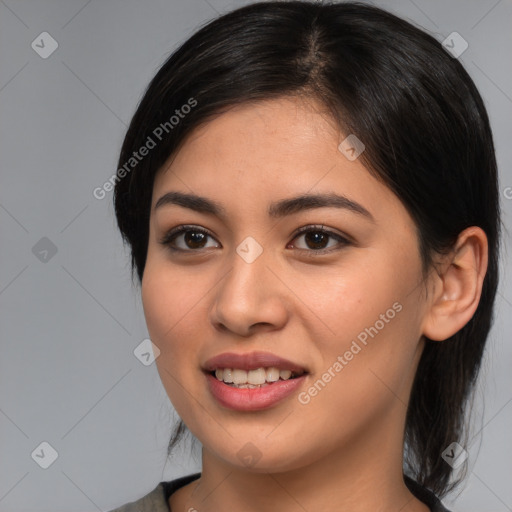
(253,379)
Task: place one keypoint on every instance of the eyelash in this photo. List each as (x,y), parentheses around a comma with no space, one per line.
(171,235)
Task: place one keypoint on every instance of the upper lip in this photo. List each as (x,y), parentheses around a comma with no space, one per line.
(251,361)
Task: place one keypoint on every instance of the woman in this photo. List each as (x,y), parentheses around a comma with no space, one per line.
(309,193)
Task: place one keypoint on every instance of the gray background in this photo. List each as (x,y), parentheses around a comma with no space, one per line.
(69,325)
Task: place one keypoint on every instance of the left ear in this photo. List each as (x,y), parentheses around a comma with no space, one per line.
(457,289)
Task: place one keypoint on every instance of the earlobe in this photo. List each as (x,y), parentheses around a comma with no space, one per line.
(458,287)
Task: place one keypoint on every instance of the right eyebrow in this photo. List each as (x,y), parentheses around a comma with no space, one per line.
(191,201)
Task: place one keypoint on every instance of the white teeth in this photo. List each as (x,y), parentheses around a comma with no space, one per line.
(285,374)
(272,375)
(253,378)
(257,376)
(239,376)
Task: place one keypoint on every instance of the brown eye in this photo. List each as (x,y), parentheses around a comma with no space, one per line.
(186,239)
(317,240)
(194,239)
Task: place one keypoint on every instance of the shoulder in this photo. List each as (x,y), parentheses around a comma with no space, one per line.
(158,499)
(153,502)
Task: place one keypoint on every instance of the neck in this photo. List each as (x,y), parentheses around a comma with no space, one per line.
(364,475)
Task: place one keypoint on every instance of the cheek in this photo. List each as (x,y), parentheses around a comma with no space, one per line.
(168,307)
(168,293)
(167,303)
(159,303)
(351,297)
(367,313)
(365,375)
(373,357)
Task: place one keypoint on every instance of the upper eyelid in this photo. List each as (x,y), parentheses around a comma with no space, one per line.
(173,233)
(340,237)
(319,227)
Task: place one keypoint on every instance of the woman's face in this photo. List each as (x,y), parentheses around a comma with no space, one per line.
(341,304)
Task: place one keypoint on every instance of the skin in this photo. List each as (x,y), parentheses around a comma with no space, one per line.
(342,450)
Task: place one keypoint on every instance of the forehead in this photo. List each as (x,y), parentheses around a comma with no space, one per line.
(269,150)
(284,125)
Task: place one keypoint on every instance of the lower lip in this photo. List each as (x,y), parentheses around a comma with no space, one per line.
(252,399)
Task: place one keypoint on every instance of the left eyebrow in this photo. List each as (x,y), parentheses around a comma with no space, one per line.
(276,209)
(311,201)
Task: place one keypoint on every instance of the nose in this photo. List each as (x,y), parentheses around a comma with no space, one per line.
(250,298)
